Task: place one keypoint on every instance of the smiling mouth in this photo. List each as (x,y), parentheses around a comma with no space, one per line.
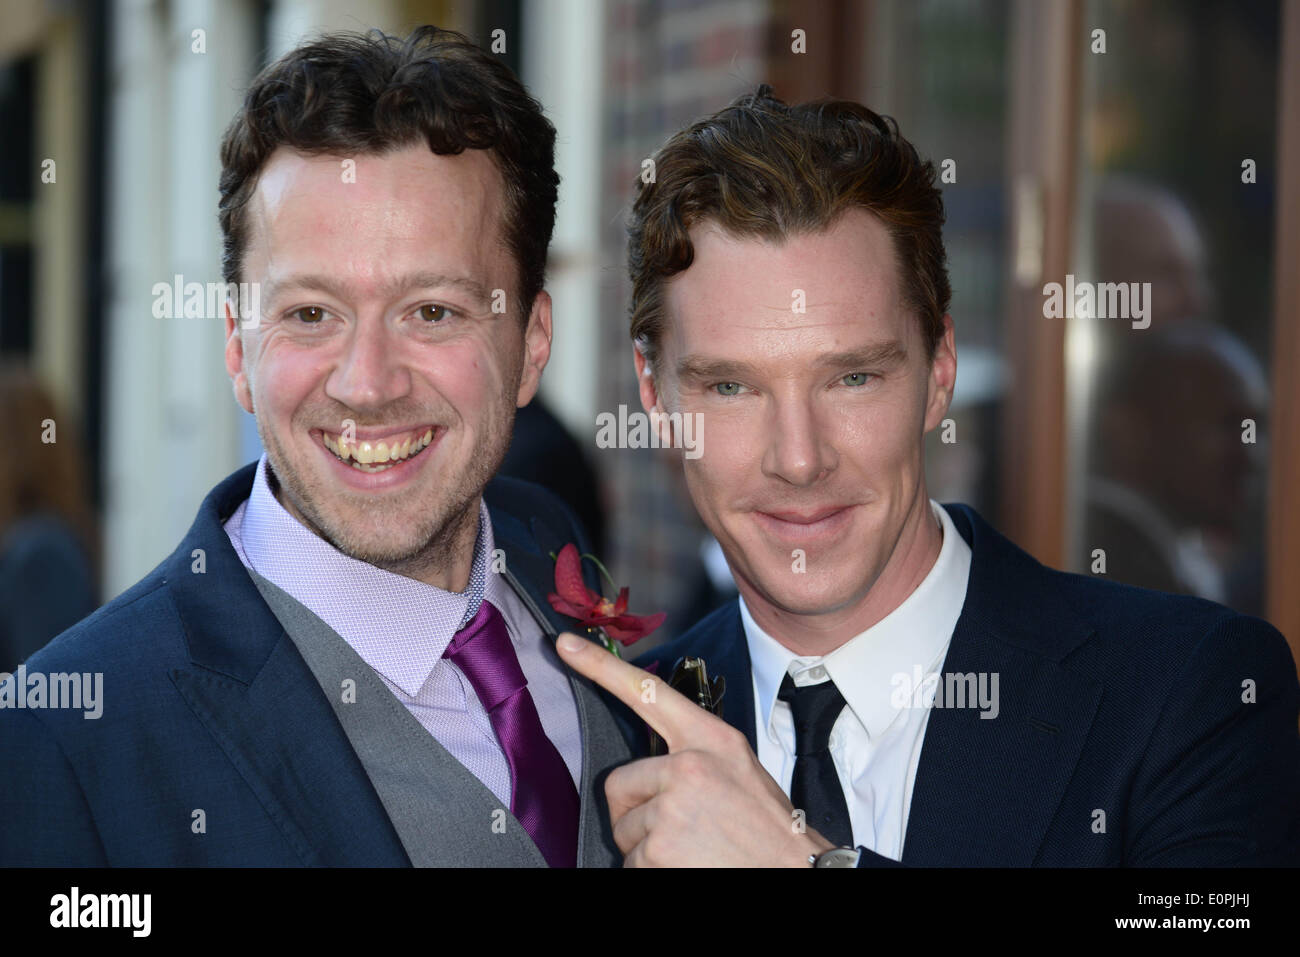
(815,525)
(378,456)
(805,518)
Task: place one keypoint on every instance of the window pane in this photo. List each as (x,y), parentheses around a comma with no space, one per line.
(1168,303)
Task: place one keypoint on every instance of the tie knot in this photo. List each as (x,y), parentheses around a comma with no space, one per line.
(482,650)
(815,709)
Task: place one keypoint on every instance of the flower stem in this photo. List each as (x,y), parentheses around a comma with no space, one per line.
(604,571)
(610,644)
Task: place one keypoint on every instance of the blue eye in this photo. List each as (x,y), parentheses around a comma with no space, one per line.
(302,314)
(434,313)
(856,378)
(728,388)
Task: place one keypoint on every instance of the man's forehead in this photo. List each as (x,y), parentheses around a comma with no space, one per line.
(854,250)
(284,170)
(468,180)
(839,283)
(413,212)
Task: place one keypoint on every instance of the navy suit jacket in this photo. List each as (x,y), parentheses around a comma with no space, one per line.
(273,758)
(1113,699)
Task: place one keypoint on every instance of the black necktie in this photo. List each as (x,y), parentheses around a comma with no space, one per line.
(815,786)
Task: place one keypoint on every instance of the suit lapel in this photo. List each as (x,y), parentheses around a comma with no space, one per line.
(603,749)
(529,567)
(725,652)
(252,690)
(986,789)
(287,745)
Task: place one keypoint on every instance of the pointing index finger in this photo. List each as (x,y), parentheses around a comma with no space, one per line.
(674,717)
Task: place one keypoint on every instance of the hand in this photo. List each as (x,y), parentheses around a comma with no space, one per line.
(708,802)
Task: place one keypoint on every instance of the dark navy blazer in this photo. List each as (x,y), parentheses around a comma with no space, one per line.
(1113,699)
(271,767)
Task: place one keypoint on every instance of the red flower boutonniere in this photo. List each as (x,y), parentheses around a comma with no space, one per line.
(604,619)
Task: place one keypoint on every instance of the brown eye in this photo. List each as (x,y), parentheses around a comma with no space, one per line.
(434,313)
(310,314)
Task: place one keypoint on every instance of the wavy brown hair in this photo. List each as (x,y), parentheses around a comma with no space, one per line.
(765,169)
(356,94)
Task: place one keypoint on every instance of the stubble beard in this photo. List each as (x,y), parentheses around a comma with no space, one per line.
(444,532)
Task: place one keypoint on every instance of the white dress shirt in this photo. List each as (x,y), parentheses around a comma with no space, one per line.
(875,744)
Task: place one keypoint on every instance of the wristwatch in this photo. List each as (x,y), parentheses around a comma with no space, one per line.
(836,857)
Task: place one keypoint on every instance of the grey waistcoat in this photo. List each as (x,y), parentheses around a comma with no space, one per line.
(443,815)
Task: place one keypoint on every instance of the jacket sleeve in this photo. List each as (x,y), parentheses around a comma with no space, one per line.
(1220,781)
(45,820)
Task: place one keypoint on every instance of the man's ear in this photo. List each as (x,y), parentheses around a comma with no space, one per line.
(235,361)
(537,348)
(652,398)
(943,377)
(645,380)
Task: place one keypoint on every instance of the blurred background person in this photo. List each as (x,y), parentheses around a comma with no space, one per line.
(1173,485)
(47,538)
(1175,481)
(1145,232)
(543,451)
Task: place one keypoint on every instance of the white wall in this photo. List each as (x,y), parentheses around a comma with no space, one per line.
(563,53)
(172,423)
(294,20)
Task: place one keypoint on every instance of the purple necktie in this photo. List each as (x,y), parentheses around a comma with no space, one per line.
(543,797)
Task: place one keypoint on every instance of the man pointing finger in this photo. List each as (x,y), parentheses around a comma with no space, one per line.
(789,289)
(708,801)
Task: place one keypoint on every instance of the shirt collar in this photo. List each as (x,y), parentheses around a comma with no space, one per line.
(914,636)
(398,625)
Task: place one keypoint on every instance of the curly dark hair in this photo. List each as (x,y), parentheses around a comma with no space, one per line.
(763,168)
(352,93)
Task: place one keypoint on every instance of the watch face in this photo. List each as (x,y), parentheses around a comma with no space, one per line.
(839,857)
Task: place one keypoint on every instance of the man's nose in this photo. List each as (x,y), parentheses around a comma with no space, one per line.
(798,447)
(370,373)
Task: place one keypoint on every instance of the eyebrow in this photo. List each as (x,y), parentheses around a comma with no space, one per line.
(880,355)
(341,289)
